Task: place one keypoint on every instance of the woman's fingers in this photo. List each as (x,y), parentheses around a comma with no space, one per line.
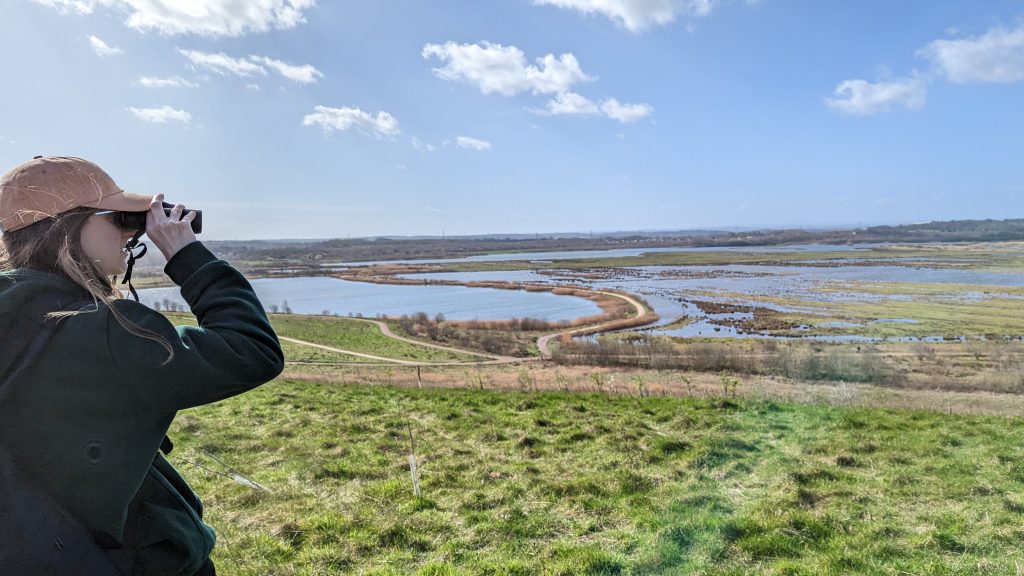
(156,207)
(169,232)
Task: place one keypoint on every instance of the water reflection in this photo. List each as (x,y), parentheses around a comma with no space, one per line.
(341,297)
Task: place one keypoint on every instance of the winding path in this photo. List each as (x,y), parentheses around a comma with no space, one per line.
(542,343)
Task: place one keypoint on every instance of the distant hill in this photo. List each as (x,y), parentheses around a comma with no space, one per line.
(410,248)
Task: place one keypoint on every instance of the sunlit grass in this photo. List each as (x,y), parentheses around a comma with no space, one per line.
(570,483)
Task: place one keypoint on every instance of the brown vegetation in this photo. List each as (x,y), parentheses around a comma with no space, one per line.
(621,381)
(513,338)
(950,366)
(762,319)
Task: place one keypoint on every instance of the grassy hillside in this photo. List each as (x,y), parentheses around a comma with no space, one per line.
(571,483)
(358,336)
(343,333)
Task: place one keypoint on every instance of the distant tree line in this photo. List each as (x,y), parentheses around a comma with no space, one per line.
(368,249)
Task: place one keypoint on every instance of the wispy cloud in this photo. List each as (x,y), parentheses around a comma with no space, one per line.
(625,112)
(207,18)
(472,143)
(417,144)
(65,6)
(572,104)
(344,119)
(253,65)
(503,69)
(223,64)
(637,15)
(303,74)
(173,81)
(162,115)
(863,98)
(996,56)
(101,48)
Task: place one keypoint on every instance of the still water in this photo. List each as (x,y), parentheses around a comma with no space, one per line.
(667,288)
(616,253)
(329,295)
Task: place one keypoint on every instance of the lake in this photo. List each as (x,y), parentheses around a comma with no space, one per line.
(344,298)
(666,288)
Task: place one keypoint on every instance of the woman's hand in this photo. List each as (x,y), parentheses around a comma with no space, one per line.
(169,233)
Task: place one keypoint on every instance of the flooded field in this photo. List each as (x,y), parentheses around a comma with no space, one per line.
(925,292)
(840,299)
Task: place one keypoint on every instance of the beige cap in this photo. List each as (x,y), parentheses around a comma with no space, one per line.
(48,185)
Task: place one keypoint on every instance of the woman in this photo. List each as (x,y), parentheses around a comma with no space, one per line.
(84,421)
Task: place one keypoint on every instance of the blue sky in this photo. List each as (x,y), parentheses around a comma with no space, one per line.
(295,119)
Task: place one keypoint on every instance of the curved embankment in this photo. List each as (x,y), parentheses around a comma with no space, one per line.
(608,302)
(386,331)
(644,315)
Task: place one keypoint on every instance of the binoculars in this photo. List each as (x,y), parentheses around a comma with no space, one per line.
(137,220)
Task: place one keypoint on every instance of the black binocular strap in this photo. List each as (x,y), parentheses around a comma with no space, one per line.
(132,257)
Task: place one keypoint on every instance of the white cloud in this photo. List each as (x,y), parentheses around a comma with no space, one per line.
(503,69)
(206,18)
(101,48)
(862,98)
(343,119)
(637,15)
(253,87)
(996,56)
(472,143)
(161,115)
(417,144)
(304,74)
(625,112)
(65,6)
(572,104)
(154,82)
(223,64)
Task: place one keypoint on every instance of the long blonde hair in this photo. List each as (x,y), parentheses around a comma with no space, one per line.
(54,245)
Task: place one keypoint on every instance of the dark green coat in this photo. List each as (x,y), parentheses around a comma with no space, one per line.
(86,419)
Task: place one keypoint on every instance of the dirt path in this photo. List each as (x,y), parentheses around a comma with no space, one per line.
(542,342)
(386,330)
(384,361)
(349,352)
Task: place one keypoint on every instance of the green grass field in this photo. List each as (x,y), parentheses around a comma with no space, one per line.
(358,336)
(573,483)
(344,333)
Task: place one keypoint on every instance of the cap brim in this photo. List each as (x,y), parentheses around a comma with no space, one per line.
(124,202)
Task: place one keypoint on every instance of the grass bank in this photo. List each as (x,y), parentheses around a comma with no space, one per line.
(572,483)
(358,336)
